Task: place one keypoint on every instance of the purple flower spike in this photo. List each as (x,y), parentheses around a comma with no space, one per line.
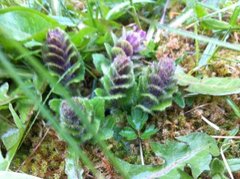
(164,70)
(67,114)
(136,37)
(161,76)
(69,119)
(59,54)
(122,74)
(159,81)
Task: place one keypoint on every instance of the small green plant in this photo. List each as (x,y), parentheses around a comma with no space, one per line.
(137,122)
(150,87)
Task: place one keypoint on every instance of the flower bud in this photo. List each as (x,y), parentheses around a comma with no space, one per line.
(136,37)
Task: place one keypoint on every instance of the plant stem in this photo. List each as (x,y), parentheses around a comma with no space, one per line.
(90,12)
(196,44)
(164,12)
(56,7)
(141,151)
(135,16)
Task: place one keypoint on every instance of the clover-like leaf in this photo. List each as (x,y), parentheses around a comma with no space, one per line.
(137,119)
(149,131)
(128,133)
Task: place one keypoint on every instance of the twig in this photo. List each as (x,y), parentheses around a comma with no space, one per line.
(226,137)
(201,106)
(225,162)
(141,151)
(164,12)
(210,123)
(135,15)
(159,31)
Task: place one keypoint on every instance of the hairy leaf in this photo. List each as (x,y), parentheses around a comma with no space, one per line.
(195,150)
(216,86)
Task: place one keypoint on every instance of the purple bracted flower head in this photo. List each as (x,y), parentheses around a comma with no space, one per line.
(59,54)
(162,74)
(160,78)
(67,114)
(122,76)
(130,43)
(69,119)
(136,37)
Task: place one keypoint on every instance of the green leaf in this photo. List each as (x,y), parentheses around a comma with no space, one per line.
(108,50)
(214,24)
(54,104)
(216,86)
(3,162)
(179,99)
(98,105)
(23,23)
(78,69)
(149,131)
(194,150)
(234,17)
(4,98)
(100,62)
(80,38)
(105,133)
(162,105)
(128,133)
(200,10)
(217,169)
(14,175)
(137,119)
(184,175)
(234,164)
(234,107)
(70,22)
(17,120)
(10,138)
(225,143)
